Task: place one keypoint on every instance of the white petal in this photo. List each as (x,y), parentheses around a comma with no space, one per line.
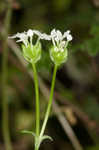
(30,33)
(59,35)
(37,32)
(14,36)
(22,37)
(56,35)
(45,36)
(53,32)
(69,38)
(57,39)
(67,35)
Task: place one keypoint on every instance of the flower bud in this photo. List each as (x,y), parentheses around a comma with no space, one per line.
(32,53)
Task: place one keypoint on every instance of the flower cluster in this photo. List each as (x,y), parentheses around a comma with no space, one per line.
(58,52)
(32,53)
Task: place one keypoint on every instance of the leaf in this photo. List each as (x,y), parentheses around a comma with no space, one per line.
(28,132)
(47,137)
(41,139)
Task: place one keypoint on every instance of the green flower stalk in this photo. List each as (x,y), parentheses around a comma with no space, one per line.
(58,54)
(37,100)
(50,101)
(32,53)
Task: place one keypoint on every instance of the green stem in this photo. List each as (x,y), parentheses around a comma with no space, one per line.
(5,116)
(36,148)
(37,100)
(50,102)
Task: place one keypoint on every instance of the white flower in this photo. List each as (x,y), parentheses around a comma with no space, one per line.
(42,35)
(37,32)
(68,35)
(22,38)
(45,36)
(30,33)
(26,37)
(58,38)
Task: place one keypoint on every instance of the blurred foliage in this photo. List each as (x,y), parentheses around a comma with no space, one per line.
(93,148)
(77,80)
(91,44)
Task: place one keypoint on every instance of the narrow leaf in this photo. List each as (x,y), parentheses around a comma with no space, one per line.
(28,132)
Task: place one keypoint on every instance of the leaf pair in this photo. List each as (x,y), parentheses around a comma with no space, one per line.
(38,140)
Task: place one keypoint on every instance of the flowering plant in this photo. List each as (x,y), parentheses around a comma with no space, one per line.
(32,54)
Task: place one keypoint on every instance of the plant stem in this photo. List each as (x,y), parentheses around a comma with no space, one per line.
(37,100)
(50,102)
(5,122)
(36,148)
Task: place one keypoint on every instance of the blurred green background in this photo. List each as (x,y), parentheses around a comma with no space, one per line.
(77,84)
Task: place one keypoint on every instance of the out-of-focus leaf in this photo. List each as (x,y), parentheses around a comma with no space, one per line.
(24,120)
(60,5)
(91,107)
(93,148)
(91,46)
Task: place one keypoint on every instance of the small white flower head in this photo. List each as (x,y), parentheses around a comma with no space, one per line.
(57,36)
(32,53)
(24,36)
(58,52)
